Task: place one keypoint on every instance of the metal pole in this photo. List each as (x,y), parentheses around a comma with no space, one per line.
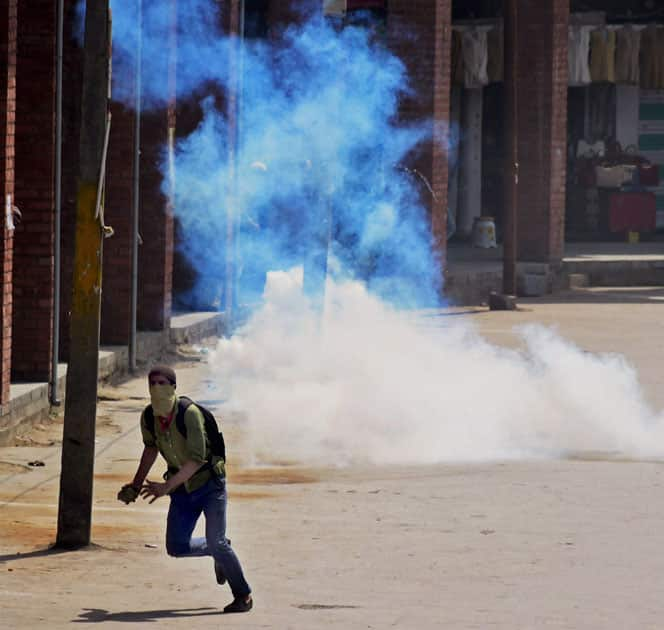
(241,77)
(233,210)
(511,147)
(137,189)
(237,253)
(57,256)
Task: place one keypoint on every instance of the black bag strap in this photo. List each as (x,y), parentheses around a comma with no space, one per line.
(148,415)
(184,403)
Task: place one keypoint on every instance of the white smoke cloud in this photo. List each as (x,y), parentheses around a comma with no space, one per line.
(367,383)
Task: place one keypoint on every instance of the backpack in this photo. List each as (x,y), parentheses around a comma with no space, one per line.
(214,435)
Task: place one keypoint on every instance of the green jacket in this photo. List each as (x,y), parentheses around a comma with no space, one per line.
(176,449)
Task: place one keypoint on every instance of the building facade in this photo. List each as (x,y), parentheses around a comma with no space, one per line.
(440,96)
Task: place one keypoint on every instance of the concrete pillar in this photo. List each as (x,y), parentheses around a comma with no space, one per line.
(470,161)
(35,190)
(8,37)
(542,129)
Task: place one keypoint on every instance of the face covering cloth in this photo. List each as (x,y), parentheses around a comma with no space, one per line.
(162,398)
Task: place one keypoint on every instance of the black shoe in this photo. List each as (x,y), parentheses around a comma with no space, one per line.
(239,605)
(219,573)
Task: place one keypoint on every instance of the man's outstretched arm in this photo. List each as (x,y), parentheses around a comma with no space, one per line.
(147,460)
(130,491)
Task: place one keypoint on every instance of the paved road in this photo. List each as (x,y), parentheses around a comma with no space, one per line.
(569,543)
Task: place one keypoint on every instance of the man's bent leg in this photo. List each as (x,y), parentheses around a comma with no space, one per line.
(218,544)
(183,513)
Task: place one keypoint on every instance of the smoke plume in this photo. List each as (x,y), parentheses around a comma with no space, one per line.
(373,384)
(320,157)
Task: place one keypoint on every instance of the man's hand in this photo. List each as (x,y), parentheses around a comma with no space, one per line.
(155,490)
(128,493)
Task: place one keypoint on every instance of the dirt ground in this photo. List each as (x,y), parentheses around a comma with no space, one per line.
(575,543)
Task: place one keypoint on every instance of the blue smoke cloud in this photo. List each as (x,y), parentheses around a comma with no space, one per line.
(319,153)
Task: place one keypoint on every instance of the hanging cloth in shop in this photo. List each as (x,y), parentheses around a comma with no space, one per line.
(628,46)
(601,112)
(650,59)
(496,61)
(578,54)
(603,55)
(334,7)
(475,56)
(457,58)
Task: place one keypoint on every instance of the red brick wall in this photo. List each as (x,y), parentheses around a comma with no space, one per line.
(441,114)
(35,190)
(558,172)
(420,34)
(542,113)
(8,40)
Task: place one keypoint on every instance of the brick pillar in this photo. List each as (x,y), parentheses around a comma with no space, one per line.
(189,116)
(420,34)
(155,254)
(542,113)
(116,281)
(35,190)
(8,37)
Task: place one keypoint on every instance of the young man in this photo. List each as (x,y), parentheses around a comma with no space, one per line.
(195,482)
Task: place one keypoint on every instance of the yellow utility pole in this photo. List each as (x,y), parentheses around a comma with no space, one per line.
(78,444)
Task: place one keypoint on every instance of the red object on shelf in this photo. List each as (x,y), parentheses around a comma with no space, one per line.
(649,174)
(632,212)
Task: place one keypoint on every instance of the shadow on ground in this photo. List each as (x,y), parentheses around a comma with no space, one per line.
(99,615)
(37,553)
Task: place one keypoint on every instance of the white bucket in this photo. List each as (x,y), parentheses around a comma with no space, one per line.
(484,232)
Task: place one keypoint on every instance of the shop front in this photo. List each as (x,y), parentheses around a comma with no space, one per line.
(615,174)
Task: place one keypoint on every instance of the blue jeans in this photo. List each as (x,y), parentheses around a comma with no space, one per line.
(184,512)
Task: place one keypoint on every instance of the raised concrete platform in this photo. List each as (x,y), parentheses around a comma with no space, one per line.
(29,403)
(617,264)
(473,273)
(189,327)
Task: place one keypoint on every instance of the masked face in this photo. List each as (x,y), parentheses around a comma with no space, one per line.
(162,397)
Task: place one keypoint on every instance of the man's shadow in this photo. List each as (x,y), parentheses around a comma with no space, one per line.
(99,615)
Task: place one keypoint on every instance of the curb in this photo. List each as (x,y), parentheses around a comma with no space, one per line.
(29,403)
